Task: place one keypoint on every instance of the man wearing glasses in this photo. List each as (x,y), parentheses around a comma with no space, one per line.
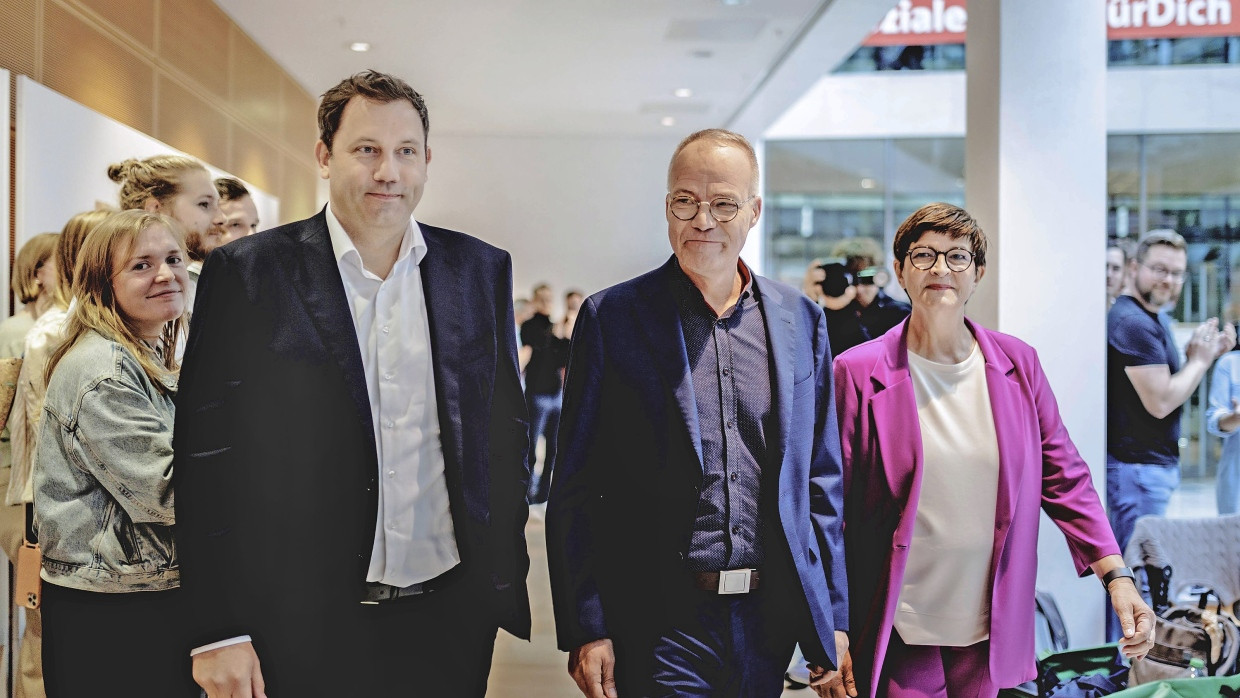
(693,529)
(1146,384)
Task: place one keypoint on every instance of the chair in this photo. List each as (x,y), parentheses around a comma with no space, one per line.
(1200,552)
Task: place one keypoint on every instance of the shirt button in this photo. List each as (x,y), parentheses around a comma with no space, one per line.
(390,424)
(736,530)
(384,329)
(729,424)
(726,371)
(391,473)
(734,477)
(387,376)
(391,527)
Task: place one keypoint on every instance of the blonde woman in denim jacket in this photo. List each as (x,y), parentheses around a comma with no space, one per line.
(102,483)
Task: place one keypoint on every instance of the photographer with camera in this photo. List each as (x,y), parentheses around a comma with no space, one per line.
(849,289)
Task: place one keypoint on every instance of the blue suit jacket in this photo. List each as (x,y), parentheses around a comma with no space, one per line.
(628,471)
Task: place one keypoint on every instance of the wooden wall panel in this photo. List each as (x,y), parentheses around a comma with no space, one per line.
(18,32)
(135,18)
(89,67)
(188,123)
(301,129)
(256,83)
(256,160)
(193,37)
(297,195)
(181,71)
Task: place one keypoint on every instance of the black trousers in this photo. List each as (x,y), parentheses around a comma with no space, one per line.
(128,644)
(433,645)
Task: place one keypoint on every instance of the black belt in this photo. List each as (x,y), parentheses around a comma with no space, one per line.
(741,581)
(378,592)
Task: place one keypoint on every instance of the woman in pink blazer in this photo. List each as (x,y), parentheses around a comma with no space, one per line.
(952,443)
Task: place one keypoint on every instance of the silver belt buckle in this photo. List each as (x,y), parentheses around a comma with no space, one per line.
(735,581)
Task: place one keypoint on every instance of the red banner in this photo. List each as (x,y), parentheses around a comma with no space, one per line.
(928,22)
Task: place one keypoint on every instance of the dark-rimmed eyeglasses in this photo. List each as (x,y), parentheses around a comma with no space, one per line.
(924,258)
(1164,273)
(722,209)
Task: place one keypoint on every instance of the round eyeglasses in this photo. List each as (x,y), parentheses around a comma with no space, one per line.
(722,209)
(924,258)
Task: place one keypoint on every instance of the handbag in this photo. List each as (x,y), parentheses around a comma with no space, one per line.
(1184,633)
(9,371)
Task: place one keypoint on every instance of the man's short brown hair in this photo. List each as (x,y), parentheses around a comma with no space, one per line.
(371,85)
(951,220)
(230,189)
(1166,237)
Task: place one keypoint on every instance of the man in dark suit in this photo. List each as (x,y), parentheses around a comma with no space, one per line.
(693,530)
(351,436)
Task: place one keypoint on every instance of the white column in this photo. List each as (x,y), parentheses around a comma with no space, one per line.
(1035,169)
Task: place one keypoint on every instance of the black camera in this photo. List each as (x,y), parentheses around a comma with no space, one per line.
(836,279)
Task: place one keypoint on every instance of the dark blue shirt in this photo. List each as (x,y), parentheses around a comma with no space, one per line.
(731,373)
(1137,337)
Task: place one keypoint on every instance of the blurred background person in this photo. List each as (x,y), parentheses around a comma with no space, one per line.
(544,386)
(34,279)
(1222,419)
(240,212)
(853,299)
(572,304)
(938,413)
(103,482)
(180,188)
(1148,384)
(1119,252)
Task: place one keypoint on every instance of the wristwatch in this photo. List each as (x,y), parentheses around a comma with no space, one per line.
(1115,574)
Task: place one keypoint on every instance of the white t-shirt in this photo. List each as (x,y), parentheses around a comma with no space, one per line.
(945,598)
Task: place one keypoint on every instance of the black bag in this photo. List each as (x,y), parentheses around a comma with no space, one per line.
(1180,636)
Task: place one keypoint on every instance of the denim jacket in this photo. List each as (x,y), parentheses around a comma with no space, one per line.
(103,474)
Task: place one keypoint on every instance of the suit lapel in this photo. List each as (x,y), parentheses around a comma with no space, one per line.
(659,319)
(322,290)
(444,290)
(781,334)
(1006,406)
(896,425)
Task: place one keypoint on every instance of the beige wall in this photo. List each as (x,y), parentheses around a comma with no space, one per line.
(180,71)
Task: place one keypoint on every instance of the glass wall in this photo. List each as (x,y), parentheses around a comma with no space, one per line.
(819,192)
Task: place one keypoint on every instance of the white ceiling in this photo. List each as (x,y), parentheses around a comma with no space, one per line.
(531,67)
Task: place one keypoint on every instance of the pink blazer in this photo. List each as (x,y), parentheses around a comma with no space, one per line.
(1039,468)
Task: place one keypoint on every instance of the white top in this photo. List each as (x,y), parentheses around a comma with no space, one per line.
(414,537)
(945,599)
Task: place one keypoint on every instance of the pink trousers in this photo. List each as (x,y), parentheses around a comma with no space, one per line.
(934,671)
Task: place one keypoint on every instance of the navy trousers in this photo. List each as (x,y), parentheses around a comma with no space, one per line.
(723,646)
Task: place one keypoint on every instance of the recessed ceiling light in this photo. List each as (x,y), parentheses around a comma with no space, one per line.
(733,3)
(867,183)
(360,46)
(683,92)
(668,121)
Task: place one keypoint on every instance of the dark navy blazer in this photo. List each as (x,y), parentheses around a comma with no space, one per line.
(629,469)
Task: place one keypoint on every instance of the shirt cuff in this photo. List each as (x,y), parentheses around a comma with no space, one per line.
(217,645)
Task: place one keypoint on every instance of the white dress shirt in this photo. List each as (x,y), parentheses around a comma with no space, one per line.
(414,537)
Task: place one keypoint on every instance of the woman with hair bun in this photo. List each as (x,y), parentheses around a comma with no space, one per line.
(103,486)
(181,188)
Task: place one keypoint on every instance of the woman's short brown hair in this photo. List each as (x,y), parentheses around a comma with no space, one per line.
(30,258)
(952,221)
